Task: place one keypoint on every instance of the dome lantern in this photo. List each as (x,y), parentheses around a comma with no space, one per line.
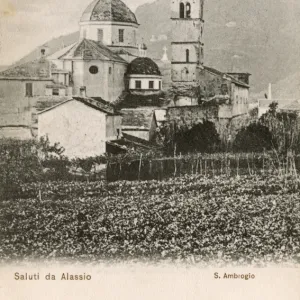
(112,23)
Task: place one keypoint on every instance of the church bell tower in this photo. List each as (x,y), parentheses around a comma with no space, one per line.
(187,46)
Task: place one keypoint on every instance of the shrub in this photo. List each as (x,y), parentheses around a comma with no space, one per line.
(202,137)
(284,128)
(22,162)
(253,138)
(19,163)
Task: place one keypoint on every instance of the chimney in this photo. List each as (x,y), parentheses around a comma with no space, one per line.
(142,50)
(44,51)
(83,91)
(270,92)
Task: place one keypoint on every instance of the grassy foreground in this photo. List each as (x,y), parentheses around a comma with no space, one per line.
(249,220)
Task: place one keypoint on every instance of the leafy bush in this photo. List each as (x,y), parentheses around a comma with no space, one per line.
(253,112)
(276,130)
(245,220)
(284,128)
(253,138)
(202,137)
(21,162)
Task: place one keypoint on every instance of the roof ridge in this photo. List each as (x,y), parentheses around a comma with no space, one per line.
(21,65)
(108,10)
(66,53)
(94,45)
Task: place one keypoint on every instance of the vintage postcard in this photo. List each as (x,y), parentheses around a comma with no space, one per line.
(149,149)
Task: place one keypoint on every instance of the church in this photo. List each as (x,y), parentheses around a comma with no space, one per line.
(107,64)
(100,62)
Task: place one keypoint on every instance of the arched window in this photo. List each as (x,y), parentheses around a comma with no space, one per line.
(188,10)
(187,55)
(181,10)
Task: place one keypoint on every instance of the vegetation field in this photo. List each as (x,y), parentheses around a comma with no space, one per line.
(247,220)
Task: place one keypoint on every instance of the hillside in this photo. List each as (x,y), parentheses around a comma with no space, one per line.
(53,46)
(2,68)
(259,36)
(288,88)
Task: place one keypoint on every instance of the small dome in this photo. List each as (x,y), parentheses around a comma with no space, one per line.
(108,10)
(143,65)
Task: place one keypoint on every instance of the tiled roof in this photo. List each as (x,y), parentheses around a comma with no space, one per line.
(91,50)
(60,52)
(38,70)
(102,105)
(129,141)
(217,72)
(143,66)
(108,10)
(123,52)
(138,118)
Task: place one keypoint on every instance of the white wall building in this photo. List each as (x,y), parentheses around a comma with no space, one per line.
(143,77)
(81,125)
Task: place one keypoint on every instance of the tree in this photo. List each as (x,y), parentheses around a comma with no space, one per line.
(253,138)
(284,128)
(22,162)
(181,138)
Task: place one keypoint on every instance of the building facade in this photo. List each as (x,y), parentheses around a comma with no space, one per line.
(81,125)
(111,23)
(187,45)
(143,77)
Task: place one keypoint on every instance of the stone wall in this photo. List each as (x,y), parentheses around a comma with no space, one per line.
(193,115)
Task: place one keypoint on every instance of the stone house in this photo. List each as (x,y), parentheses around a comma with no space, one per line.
(230,91)
(139,122)
(81,125)
(20,87)
(95,70)
(143,77)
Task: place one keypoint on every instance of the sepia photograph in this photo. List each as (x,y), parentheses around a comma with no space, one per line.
(149,149)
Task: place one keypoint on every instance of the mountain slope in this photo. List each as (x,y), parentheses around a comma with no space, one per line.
(288,88)
(53,46)
(256,36)
(261,37)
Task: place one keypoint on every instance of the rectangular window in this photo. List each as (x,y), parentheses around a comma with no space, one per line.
(100,35)
(160,85)
(121,35)
(55,92)
(134,37)
(151,84)
(138,84)
(224,89)
(29,92)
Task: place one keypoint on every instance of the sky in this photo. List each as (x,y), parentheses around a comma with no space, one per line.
(26,24)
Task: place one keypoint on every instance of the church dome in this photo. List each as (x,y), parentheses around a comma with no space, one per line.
(108,10)
(143,66)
